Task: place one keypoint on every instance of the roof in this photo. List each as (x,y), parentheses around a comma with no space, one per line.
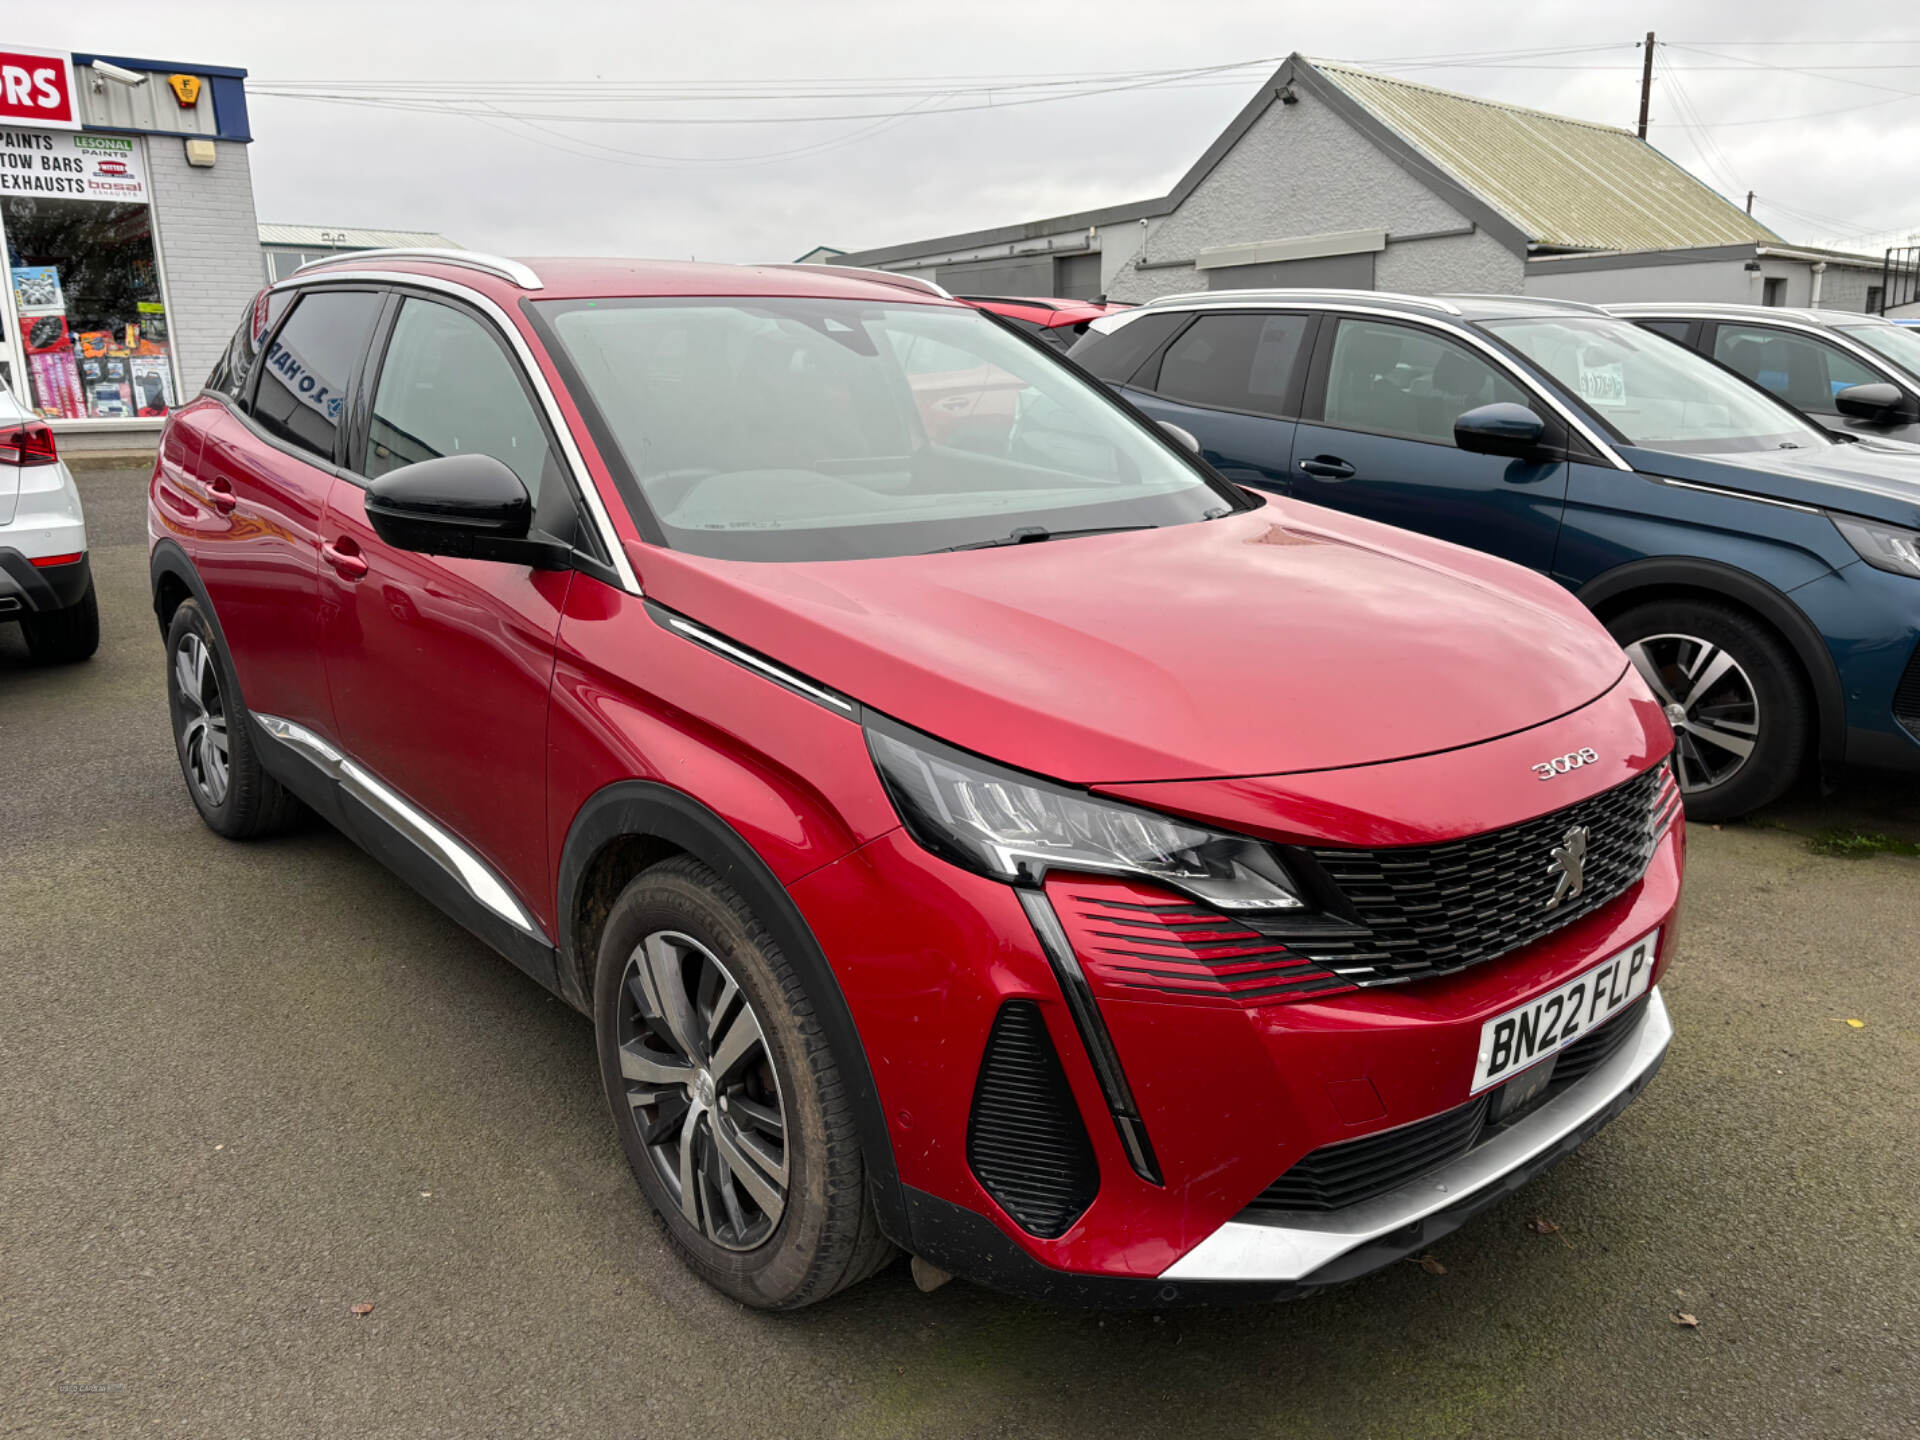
(1448,307)
(340,237)
(1722,308)
(1566,184)
(1527,177)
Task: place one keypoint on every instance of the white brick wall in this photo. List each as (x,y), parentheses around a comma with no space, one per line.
(209,249)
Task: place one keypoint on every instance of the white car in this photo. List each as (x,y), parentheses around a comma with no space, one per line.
(45,581)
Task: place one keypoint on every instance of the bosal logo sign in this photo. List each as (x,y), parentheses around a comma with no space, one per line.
(36,88)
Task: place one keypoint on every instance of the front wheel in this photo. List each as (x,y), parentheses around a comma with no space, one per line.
(1732,693)
(725,1095)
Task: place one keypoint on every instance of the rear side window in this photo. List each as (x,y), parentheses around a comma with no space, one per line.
(447,388)
(231,370)
(1805,372)
(1397,380)
(303,382)
(1114,357)
(1236,362)
(1672,329)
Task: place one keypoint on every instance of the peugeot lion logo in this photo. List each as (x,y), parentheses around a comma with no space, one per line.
(1570,862)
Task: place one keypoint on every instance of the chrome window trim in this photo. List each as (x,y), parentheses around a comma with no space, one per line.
(569,447)
(467,868)
(519,273)
(1291,1245)
(735,653)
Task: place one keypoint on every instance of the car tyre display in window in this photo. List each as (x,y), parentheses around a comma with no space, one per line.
(232,791)
(729,1105)
(1733,695)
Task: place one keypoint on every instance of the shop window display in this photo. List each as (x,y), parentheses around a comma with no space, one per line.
(93,328)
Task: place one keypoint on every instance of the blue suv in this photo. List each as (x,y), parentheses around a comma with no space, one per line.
(1764,577)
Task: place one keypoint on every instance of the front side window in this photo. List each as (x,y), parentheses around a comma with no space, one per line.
(1899,343)
(1805,372)
(447,388)
(1235,362)
(1400,380)
(805,429)
(1649,391)
(303,379)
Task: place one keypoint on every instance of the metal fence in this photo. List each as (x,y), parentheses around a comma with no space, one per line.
(1900,277)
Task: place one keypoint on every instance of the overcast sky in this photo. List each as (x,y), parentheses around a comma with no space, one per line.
(1842,152)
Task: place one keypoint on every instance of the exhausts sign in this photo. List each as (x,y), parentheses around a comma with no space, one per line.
(36,88)
(71,166)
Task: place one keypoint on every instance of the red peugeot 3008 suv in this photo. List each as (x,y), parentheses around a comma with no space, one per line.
(1023,849)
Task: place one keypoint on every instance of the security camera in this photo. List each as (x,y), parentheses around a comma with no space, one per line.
(119,73)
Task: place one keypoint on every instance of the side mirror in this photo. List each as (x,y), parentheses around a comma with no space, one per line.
(471,507)
(1500,429)
(1877,404)
(1185,437)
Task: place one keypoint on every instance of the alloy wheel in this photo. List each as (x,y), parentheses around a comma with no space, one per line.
(1710,701)
(203,718)
(702,1087)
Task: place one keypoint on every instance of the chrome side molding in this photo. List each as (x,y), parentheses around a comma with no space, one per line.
(460,862)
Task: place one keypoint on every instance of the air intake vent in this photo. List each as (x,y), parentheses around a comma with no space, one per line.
(1025,1139)
(1906,700)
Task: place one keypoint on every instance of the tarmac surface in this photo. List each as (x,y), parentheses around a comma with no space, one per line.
(244,1088)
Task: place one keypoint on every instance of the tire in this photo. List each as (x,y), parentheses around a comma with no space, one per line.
(682,955)
(228,786)
(64,636)
(1727,681)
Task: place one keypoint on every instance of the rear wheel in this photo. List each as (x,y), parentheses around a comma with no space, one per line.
(62,636)
(726,1097)
(1733,694)
(232,791)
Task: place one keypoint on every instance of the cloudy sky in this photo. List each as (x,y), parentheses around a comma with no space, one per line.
(756,129)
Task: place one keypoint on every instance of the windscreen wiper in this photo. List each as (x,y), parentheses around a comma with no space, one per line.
(1034,534)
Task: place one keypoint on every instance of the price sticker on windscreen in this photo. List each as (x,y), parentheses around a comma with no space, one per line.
(1604,384)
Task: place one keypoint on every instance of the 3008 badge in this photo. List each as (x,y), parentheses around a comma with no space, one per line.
(1562,764)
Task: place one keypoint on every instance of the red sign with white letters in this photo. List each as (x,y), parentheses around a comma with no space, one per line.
(36,88)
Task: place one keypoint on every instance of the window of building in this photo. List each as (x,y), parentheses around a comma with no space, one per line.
(94,340)
(1398,380)
(303,385)
(447,388)
(1236,362)
(1805,372)
(1773,290)
(1876,296)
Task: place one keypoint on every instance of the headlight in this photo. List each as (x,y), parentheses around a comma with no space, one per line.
(1016,828)
(1885,547)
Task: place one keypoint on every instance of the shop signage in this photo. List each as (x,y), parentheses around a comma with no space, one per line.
(79,166)
(36,88)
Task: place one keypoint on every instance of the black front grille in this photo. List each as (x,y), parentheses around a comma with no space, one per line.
(1429,909)
(1025,1138)
(1350,1171)
(1906,699)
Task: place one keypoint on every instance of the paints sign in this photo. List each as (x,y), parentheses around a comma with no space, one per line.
(79,166)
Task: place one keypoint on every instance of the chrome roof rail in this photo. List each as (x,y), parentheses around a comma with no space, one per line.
(509,270)
(1553,302)
(1308,292)
(881,277)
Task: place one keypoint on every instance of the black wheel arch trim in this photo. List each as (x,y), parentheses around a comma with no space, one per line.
(1770,604)
(647,810)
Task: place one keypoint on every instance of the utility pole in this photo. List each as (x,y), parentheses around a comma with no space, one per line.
(1749,202)
(1646,84)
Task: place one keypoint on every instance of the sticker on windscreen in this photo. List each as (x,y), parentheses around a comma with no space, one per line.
(1604,384)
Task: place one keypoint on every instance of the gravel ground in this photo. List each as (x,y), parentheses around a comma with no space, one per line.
(249,1086)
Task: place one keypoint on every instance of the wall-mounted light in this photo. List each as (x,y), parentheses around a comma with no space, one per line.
(1287,97)
(1752,267)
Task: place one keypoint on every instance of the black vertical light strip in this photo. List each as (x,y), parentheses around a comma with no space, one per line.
(1093,1035)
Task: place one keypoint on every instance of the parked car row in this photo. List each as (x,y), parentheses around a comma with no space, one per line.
(1760,572)
(46,579)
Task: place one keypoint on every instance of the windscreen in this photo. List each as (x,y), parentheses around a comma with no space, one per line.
(806,429)
(1899,343)
(1652,392)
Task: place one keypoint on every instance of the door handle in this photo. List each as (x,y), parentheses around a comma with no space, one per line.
(345,557)
(1328,467)
(220,494)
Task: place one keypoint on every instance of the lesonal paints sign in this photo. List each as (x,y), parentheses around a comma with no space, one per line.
(73,167)
(36,88)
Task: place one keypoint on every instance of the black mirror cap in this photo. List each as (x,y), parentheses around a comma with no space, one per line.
(1878,403)
(469,507)
(1500,429)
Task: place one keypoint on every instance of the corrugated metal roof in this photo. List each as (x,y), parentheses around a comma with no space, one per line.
(340,237)
(1565,183)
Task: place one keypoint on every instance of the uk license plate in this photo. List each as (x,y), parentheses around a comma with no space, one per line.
(1529,1033)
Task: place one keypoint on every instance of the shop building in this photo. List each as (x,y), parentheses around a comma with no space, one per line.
(127,222)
